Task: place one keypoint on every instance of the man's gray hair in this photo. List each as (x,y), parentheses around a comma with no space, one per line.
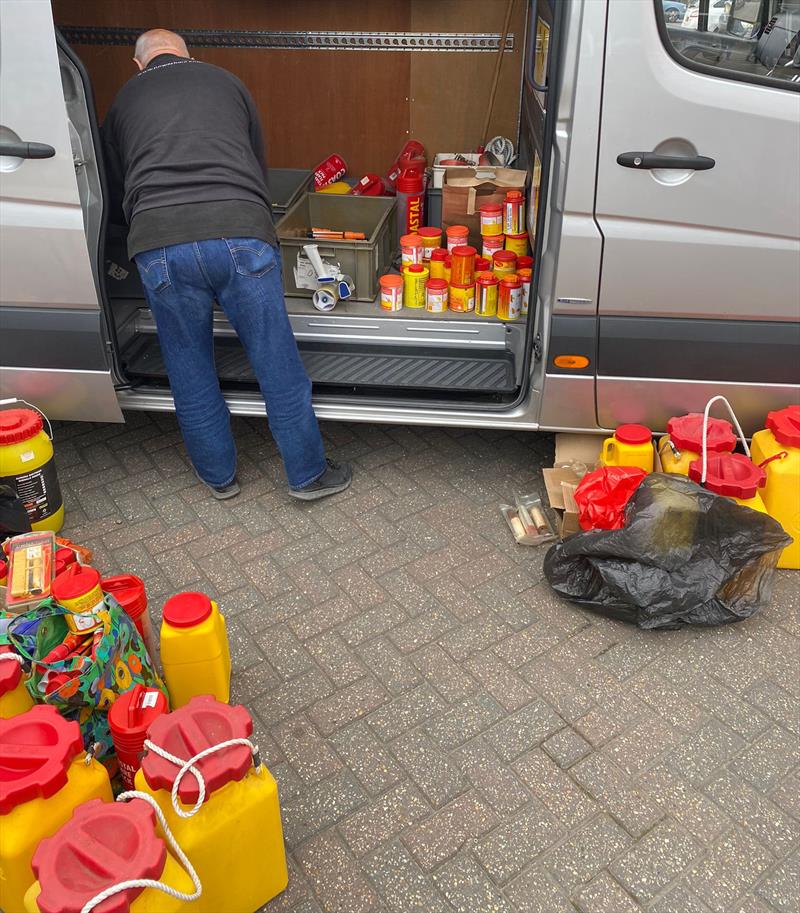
(158,41)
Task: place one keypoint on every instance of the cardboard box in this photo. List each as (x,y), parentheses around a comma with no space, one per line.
(561,483)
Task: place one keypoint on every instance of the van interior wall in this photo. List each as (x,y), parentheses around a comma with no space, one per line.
(362,104)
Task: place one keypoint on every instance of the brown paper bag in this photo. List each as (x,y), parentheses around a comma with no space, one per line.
(465,190)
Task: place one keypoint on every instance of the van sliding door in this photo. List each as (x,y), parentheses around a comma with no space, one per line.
(698,201)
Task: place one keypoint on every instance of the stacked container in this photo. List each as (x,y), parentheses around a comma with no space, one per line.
(777,450)
(685,434)
(14,697)
(102,845)
(235,841)
(43,777)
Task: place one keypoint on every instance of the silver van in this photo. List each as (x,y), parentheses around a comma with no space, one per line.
(664,215)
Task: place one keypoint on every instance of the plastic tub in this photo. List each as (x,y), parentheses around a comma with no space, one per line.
(235,840)
(436,296)
(129,718)
(734,476)
(490,244)
(130,593)
(462,298)
(431,239)
(364,261)
(286,186)
(414,279)
(509,297)
(491,219)
(685,432)
(487,285)
(38,792)
(411,247)
(518,243)
(457,236)
(436,266)
(504,263)
(462,269)
(630,445)
(391,292)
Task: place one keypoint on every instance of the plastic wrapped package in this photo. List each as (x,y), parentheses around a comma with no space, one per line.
(602,495)
(685,556)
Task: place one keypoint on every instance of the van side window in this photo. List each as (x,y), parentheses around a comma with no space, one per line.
(751,40)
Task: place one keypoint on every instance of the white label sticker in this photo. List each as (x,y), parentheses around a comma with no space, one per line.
(27,456)
(150,699)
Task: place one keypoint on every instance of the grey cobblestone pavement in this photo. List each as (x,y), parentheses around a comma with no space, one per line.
(447,734)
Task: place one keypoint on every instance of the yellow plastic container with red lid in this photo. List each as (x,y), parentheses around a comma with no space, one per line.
(732,475)
(103,844)
(235,839)
(27,464)
(683,442)
(78,590)
(777,450)
(14,697)
(630,445)
(195,654)
(43,777)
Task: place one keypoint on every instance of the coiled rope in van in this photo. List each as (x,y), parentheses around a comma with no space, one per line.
(184,768)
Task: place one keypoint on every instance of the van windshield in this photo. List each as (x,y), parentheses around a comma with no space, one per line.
(755,37)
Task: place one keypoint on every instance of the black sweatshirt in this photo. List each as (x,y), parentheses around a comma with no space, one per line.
(185,155)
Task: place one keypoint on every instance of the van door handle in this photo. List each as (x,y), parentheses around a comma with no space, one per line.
(22,150)
(648,160)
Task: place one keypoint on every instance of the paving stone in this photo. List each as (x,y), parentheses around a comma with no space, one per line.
(405,712)
(604,895)
(430,768)
(702,753)
(465,720)
(347,705)
(318,807)
(286,654)
(566,747)
(510,848)
(534,892)
(680,899)
(401,883)
(732,867)
(372,763)
(496,782)
(768,759)
(335,877)
(781,887)
(335,658)
(310,756)
(444,833)
(555,789)
(383,819)
(523,730)
(442,673)
(656,860)
(467,889)
(643,743)
(505,686)
(291,697)
(590,848)
(770,826)
(391,668)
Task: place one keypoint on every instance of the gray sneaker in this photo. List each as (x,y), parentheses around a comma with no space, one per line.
(337,477)
(224,491)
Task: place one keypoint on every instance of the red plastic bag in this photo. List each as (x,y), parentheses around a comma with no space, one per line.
(602,495)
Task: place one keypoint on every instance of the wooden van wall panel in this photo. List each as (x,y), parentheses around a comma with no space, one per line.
(311,103)
(450,92)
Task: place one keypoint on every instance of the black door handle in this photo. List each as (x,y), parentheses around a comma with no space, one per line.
(27,150)
(647,160)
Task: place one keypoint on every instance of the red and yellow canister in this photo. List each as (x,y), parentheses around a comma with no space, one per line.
(431,240)
(518,243)
(490,244)
(457,236)
(525,275)
(509,298)
(78,590)
(514,213)
(462,298)
(491,219)
(27,465)
(487,285)
(414,279)
(504,263)
(462,270)
(436,296)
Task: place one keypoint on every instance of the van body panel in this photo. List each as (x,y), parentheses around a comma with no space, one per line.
(47,288)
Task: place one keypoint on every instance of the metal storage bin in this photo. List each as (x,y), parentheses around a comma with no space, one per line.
(363,260)
(286,186)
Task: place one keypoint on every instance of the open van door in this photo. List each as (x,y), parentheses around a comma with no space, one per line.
(53,343)
(698,203)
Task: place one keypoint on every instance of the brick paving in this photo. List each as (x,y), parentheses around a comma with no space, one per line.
(446,733)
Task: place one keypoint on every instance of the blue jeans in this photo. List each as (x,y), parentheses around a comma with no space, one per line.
(182,282)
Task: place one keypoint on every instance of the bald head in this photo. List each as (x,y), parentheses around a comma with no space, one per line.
(158,41)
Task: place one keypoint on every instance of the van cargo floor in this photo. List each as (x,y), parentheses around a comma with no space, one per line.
(416,368)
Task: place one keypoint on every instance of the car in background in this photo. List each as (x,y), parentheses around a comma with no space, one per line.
(674,10)
(717,15)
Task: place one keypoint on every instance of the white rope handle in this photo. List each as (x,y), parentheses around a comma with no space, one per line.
(14,656)
(732,414)
(184,768)
(150,882)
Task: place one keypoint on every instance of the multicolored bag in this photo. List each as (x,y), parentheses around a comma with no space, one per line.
(84,687)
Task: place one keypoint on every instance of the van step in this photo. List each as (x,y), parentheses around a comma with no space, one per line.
(358,366)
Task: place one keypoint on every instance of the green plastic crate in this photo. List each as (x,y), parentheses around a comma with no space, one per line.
(365,260)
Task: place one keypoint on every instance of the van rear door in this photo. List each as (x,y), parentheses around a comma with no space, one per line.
(53,351)
(698,202)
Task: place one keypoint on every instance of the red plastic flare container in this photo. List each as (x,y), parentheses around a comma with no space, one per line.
(102,844)
(730,474)
(412,155)
(524,262)
(370,185)
(129,719)
(462,268)
(329,171)
(410,202)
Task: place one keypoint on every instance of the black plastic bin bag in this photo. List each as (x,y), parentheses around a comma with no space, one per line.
(685,556)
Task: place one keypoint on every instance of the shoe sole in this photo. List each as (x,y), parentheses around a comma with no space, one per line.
(321,492)
(224,495)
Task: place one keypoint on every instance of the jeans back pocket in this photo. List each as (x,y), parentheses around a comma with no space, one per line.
(152,266)
(251,256)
